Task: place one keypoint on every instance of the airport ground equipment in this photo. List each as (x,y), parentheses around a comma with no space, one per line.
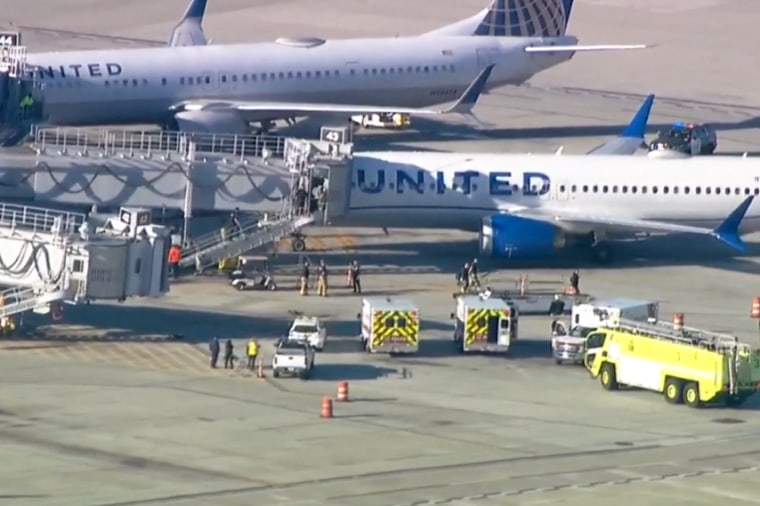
(309,329)
(689,139)
(484,324)
(21,100)
(568,340)
(688,365)
(293,358)
(308,163)
(390,325)
(395,121)
(532,301)
(49,257)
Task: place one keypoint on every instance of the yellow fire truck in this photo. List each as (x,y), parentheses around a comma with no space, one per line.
(484,324)
(687,365)
(390,325)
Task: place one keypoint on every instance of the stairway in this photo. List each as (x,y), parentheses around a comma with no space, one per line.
(212,248)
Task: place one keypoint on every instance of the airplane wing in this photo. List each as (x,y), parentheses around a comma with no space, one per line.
(630,139)
(579,49)
(727,232)
(463,105)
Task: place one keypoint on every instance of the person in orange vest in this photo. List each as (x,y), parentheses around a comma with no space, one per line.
(175,254)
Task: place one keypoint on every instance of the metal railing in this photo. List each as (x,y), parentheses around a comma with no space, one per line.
(19,300)
(40,219)
(113,142)
(204,242)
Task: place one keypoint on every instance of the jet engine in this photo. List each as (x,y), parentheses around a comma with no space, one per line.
(504,235)
(211,122)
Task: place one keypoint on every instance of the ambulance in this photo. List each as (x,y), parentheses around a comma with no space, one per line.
(484,324)
(390,325)
(568,344)
(687,365)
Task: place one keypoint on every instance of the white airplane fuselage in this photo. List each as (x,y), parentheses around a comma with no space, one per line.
(698,191)
(139,86)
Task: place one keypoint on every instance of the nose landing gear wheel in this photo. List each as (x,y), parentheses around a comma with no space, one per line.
(298,244)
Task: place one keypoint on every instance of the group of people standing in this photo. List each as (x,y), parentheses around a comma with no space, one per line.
(353,278)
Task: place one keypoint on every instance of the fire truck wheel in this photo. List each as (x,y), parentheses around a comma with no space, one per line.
(673,391)
(608,377)
(691,395)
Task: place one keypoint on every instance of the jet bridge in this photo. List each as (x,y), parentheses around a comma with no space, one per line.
(320,182)
(21,99)
(49,257)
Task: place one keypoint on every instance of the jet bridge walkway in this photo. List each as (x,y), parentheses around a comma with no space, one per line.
(48,257)
(320,182)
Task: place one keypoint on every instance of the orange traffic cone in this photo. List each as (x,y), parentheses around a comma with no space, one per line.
(342,392)
(260,369)
(327,408)
(755,308)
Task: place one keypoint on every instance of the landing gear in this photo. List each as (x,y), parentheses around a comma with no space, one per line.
(298,242)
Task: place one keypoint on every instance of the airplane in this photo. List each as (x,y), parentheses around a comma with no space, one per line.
(193,86)
(534,206)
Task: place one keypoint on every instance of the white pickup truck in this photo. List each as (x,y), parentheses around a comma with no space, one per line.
(293,358)
(308,329)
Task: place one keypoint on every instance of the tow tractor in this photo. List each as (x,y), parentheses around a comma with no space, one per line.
(396,121)
(568,344)
(539,301)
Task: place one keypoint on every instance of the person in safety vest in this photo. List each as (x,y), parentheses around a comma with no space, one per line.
(175,254)
(253,352)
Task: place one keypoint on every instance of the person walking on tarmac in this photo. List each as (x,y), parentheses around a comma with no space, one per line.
(229,355)
(355,275)
(253,352)
(322,280)
(304,281)
(175,254)
(213,348)
(464,278)
(473,274)
(574,280)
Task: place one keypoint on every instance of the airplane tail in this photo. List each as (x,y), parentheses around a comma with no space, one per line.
(189,30)
(514,18)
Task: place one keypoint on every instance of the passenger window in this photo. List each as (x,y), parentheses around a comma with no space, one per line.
(418,69)
(281,75)
(245,78)
(634,189)
(272,76)
(686,190)
(427,69)
(254,77)
(562,188)
(708,190)
(435,68)
(409,69)
(374,72)
(737,191)
(336,73)
(746,191)
(643,189)
(181,80)
(573,188)
(234,78)
(107,83)
(665,189)
(595,189)
(624,189)
(352,72)
(263,77)
(756,191)
(717,191)
(675,190)
(585,188)
(308,74)
(614,189)
(382,72)
(125,82)
(163,81)
(224,79)
(452,68)
(604,189)
(327,73)
(299,75)
(391,70)
(698,190)
(317,74)
(654,189)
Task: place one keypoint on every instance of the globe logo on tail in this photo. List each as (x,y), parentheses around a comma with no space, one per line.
(526,18)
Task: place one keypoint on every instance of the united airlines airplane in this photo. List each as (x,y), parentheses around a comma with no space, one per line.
(193,86)
(529,206)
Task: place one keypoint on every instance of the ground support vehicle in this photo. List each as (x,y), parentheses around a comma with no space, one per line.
(484,324)
(687,365)
(390,325)
(396,121)
(308,329)
(293,358)
(568,345)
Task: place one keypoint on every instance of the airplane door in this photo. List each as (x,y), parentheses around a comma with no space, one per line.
(486,56)
(227,81)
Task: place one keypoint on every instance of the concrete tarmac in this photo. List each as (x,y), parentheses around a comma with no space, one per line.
(107,410)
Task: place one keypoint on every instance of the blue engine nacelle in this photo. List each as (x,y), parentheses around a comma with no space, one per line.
(502,235)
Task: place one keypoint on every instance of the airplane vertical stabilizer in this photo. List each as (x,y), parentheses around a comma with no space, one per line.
(189,30)
(514,18)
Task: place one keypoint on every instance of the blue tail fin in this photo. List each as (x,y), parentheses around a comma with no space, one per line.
(525,18)
(638,125)
(728,231)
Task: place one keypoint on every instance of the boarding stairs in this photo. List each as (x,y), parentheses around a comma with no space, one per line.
(21,99)
(156,145)
(309,164)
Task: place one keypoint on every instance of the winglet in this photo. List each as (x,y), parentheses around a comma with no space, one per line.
(470,97)
(728,231)
(189,30)
(638,125)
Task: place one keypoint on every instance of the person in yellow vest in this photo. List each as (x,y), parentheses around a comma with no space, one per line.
(253,352)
